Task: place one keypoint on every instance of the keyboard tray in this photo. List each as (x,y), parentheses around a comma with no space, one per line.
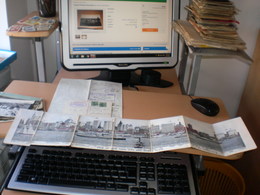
(58,170)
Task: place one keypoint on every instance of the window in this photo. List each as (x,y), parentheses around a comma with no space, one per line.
(5,43)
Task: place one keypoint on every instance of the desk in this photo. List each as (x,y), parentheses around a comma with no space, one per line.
(38,38)
(136,104)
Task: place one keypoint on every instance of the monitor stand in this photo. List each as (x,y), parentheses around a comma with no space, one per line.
(148,77)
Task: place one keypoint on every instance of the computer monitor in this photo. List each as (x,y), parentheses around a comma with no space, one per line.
(120,36)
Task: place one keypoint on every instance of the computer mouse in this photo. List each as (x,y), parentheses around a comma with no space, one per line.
(205,106)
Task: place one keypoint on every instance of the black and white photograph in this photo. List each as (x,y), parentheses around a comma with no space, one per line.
(229,137)
(168,133)
(55,129)
(24,127)
(202,136)
(230,140)
(131,135)
(93,132)
(10,107)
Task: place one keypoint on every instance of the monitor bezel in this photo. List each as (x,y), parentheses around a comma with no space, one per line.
(129,63)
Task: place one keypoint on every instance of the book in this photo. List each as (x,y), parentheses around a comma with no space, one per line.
(132,135)
(194,39)
(11,103)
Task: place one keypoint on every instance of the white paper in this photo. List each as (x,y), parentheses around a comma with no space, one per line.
(72,96)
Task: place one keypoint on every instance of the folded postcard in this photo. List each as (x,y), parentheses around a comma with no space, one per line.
(224,138)
(87,97)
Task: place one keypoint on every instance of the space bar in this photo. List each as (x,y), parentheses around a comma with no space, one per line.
(88,184)
(72,183)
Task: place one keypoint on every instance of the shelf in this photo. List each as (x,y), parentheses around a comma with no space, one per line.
(45,33)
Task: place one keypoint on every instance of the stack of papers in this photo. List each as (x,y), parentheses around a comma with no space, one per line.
(215,22)
(10,104)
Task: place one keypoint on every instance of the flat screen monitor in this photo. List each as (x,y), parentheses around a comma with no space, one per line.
(119,35)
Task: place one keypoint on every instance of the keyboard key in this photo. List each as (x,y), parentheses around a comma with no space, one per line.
(134,191)
(122,187)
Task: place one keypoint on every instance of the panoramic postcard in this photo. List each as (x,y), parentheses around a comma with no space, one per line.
(93,132)
(168,133)
(224,138)
(24,127)
(132,135)
(55,130)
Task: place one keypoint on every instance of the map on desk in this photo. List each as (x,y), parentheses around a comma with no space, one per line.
(120,134)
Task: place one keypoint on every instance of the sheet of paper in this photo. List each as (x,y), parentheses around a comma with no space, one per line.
(109,92)
(70,97)
(74,95)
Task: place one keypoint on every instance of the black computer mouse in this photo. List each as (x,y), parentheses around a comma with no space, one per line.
(205,106)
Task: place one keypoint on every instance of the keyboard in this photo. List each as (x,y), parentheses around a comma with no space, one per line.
(56,170)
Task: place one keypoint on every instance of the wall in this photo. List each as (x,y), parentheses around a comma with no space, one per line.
(225,78)
(5,43)
(249,110)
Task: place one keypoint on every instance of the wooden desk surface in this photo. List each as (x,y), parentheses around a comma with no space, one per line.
(45,33)
(136,104)
(167,74)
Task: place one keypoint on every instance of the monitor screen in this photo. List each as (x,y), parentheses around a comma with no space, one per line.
(119,34)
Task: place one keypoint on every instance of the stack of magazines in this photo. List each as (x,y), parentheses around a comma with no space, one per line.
(215,21)
(10,104)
